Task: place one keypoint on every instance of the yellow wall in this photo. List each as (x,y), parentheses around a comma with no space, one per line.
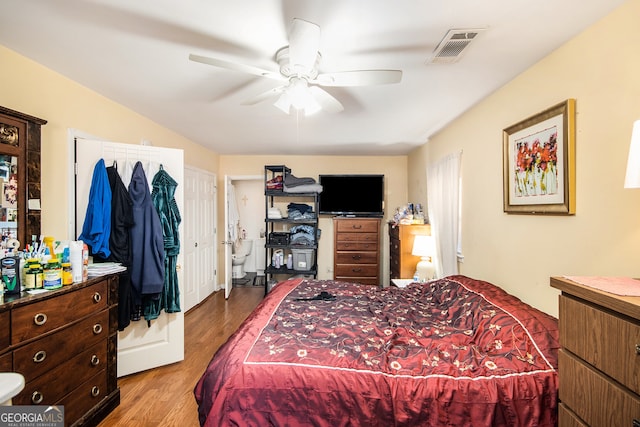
(394,169)
(35,90)
(600,68)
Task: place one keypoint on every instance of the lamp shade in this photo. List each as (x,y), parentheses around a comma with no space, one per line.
(423,246)
(632,179)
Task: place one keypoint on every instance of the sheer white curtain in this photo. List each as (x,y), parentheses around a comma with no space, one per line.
(443,196)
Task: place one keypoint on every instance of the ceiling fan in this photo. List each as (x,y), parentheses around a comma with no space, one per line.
(299,68)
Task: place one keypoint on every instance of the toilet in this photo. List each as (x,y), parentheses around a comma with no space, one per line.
(238,258)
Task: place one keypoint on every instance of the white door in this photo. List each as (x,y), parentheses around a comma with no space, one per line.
(199,236)
(227,242)
(140,347)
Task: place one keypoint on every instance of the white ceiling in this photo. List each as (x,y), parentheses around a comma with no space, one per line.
(136,53)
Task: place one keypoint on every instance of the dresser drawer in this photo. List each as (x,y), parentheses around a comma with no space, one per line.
(355,270)
(357,225)
(356,246)
(35,319)
(605,341)
(85,397)
(394,246)
(394,233)
(361,280)
(566,418)
(587,392)
(356,257)
(6,362)
(358,237)
(5,332)
(48,390)
(44,355)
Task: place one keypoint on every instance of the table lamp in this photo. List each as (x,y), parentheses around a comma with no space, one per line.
(632,178)
(425,248)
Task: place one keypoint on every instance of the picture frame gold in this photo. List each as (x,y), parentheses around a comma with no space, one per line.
(539,162)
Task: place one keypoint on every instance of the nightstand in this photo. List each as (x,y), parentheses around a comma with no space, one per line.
(401,283)
(600,356)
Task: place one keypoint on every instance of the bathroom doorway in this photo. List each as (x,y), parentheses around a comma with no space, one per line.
(244,231)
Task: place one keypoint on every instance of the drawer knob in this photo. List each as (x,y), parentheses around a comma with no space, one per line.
(40,319)
(40,356)
(356,257)
(97,297)
(357,226)
(95,391)
(638,349)
(95,360)
(37,397)
(97,328)
(356,270)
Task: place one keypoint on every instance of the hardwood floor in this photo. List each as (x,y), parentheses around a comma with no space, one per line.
(164,396)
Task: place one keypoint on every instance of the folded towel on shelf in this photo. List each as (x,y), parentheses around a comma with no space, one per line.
(274,213)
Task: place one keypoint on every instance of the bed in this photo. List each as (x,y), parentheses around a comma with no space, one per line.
(451,352)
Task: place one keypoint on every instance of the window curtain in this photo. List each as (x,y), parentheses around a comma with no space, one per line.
(443,195)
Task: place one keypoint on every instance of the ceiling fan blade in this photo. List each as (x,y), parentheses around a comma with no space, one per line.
(271,93)
(326,101)
(304,42)
(236,67)
(359,78)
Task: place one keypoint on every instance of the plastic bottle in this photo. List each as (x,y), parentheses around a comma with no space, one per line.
(289,261)
(30,277)
(52,277)
(75,258)
(67,274)
(48,242)
(85,261)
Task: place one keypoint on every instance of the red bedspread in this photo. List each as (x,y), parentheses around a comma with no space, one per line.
(454,352)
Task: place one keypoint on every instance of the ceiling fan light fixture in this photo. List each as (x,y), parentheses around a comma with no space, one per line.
(283,103)
(298,96)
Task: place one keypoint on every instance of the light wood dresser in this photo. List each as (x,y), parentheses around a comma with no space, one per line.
(356,256)
(599,362)
(402,265)
(64,342)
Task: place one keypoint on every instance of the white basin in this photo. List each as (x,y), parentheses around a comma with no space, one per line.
(11,384)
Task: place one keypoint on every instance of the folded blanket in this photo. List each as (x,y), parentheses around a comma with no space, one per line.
(293,181)
(306,188)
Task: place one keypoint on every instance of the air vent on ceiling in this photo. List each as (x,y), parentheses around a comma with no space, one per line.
(453,45)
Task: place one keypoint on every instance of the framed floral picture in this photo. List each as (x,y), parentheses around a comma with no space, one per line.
(539,162)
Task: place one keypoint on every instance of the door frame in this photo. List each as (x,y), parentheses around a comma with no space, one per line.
(228,180)
(140,346)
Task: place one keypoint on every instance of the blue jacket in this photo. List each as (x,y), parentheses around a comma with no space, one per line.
(147,245)
(97,221)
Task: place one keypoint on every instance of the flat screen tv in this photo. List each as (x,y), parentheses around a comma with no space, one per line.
(352,195)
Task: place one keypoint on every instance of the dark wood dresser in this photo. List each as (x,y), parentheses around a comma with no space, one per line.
(599,362)
(64,342)
(356,256)
(402,265)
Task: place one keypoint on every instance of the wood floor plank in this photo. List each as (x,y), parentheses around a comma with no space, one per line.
(164,396)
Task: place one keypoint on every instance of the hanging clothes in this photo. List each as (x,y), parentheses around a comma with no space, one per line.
(162,194)
(147,246)
(96,228)
(120,242)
